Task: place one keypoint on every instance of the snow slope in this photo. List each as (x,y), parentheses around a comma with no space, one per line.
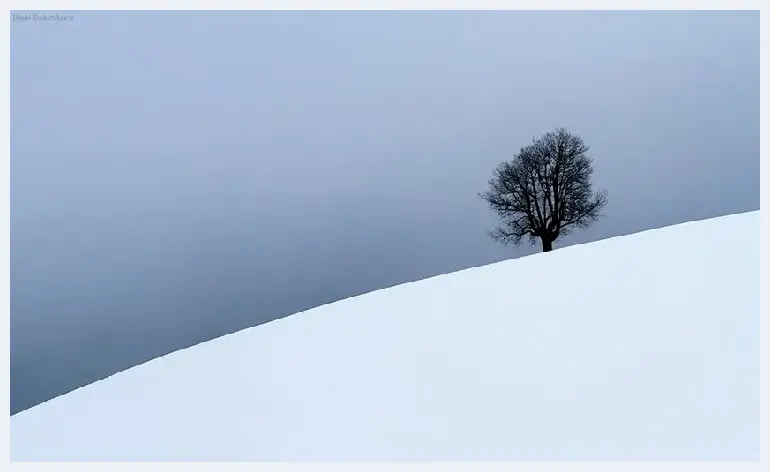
(643,347)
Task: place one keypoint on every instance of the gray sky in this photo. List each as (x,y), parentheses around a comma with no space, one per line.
(176,176)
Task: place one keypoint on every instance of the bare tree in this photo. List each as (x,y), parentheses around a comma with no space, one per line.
(544,191)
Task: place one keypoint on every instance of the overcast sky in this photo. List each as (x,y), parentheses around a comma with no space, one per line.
(176,176)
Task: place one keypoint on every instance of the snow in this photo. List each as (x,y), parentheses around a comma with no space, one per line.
(642,347)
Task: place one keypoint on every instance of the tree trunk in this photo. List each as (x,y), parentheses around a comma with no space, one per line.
(547,244)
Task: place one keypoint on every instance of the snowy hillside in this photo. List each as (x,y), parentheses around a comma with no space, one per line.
(643,347)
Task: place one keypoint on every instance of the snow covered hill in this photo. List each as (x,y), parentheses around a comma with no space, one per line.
(643,347)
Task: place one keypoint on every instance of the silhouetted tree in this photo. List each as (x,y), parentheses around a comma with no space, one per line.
(544,191)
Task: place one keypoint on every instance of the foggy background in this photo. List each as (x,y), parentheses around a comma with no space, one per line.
(176,176)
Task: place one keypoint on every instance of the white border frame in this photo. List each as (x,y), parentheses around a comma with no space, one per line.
(55,5)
